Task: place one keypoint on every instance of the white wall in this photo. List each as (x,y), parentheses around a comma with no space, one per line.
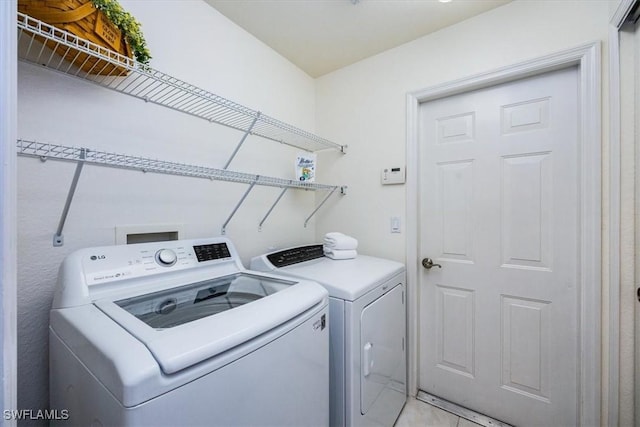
(191,41)
(364,106)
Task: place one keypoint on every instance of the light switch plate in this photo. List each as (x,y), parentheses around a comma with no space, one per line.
(395,224)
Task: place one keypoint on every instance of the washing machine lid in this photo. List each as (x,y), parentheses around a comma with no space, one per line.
(185,325)
(346,279)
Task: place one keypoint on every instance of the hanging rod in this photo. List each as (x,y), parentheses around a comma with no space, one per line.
(67,53)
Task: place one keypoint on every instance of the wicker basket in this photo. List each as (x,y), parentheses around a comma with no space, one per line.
(82,19)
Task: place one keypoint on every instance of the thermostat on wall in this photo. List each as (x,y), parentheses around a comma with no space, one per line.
(392,176)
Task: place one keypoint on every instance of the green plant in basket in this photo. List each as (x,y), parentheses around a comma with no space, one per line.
(129,26)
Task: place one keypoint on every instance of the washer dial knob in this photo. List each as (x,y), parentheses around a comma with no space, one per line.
(166,257)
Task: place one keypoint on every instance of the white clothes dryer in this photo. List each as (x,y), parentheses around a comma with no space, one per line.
(367,330)
(180,333)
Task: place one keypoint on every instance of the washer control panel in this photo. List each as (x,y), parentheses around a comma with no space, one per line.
(212,252)
(112,263)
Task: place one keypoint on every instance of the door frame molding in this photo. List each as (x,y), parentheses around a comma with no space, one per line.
(615,210)
(587,59)
(8,191)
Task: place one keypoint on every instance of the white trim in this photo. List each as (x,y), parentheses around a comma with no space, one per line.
(616,22)
(8,246)
(613,399)
(412,191)
(621,13)
(587,58)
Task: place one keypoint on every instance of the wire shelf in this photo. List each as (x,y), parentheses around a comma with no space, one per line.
(102,158)
(68,54)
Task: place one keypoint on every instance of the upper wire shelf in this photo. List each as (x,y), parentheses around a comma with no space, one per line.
(71,55)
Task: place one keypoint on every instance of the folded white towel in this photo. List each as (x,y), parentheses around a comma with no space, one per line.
(340,254)
(340,241)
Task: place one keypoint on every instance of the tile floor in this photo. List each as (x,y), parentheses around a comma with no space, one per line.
(420,414)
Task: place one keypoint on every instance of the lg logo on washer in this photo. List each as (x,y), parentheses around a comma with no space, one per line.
(96,257)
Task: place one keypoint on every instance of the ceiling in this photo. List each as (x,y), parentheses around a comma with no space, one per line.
(321,36)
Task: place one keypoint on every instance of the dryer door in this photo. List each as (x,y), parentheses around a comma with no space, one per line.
(382,353)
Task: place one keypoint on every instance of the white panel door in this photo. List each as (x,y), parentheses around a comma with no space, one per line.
(499,321)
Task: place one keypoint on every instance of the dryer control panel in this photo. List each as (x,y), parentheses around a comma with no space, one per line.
(295,255)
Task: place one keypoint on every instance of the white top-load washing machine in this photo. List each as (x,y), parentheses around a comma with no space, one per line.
(179,333)
(367,330)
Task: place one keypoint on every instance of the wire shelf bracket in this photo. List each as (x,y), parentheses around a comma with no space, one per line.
(284,190)
(343,191)
(244,196)
(58,238)
(244,137)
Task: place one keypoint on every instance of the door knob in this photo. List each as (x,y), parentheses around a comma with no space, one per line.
(428,263)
